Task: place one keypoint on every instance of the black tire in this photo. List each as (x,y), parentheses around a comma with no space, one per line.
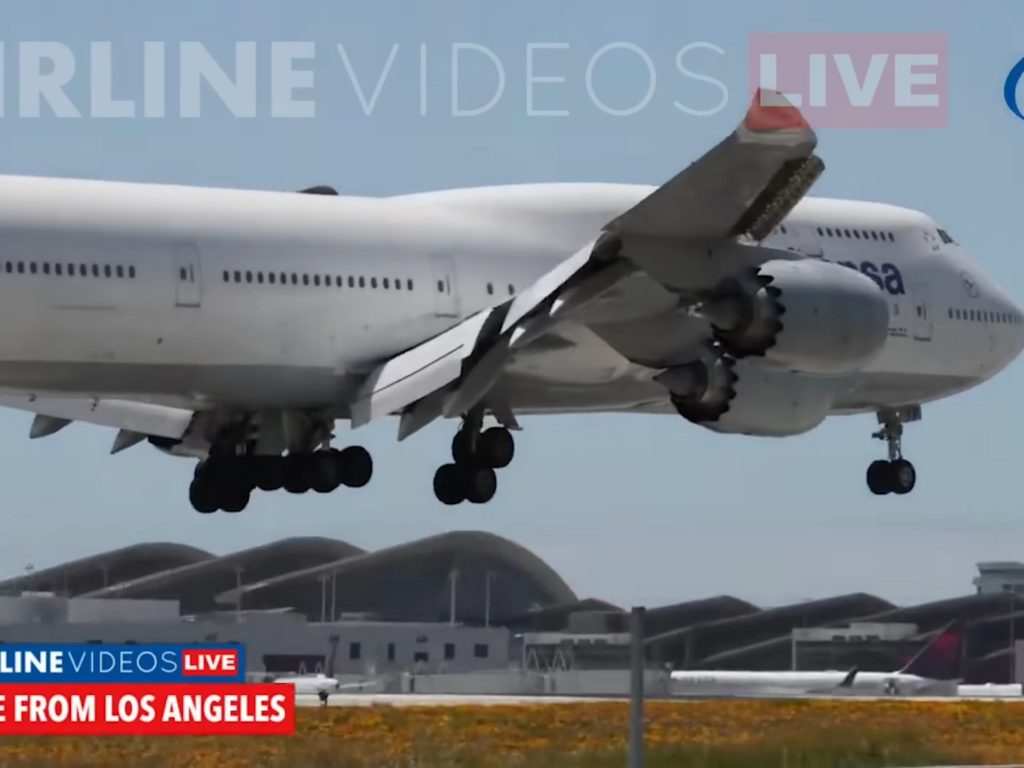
(356,466)
(462,448)
(298,473)
(448,485)
(326,471)
(496,448)
(235,499)
(879,478)
(480,485)
(203,496)
(902,477)
(269,472)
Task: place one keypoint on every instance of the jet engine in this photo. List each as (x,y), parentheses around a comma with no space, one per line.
(801,315)
(743,397)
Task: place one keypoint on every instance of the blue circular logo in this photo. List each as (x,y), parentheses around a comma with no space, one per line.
(1010,88)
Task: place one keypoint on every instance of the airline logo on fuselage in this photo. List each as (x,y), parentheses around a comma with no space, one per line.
(886,276)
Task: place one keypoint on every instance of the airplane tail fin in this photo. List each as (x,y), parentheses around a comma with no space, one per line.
(941,658)
(850,677)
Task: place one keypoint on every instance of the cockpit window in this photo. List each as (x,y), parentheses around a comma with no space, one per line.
(946,238)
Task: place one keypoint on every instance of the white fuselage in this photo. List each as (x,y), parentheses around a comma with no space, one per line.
(772,684)
(196,297)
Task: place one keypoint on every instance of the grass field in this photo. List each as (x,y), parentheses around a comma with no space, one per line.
(713,734)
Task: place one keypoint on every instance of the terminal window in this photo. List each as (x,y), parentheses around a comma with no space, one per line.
(449,651)
(481,651)
(355,651)
(391,651)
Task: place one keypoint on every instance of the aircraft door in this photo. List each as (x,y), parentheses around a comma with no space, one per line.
(922,312)
(445,285)
(187,275)
(808,243)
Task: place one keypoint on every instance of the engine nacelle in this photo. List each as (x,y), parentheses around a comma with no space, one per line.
(801,315)
(738,397)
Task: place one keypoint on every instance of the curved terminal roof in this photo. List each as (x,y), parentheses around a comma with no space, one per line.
(670,618)
(413,582)
(690,645)
(88,574)
(197,584)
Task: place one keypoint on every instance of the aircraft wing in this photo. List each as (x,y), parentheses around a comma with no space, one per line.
(135,420)
(744,186)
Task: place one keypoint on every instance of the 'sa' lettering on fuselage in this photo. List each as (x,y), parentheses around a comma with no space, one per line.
(886,276)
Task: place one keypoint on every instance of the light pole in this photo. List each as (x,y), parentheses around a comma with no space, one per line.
(323,598)
(454,577)
(238,593)
(487,599)
(334,596)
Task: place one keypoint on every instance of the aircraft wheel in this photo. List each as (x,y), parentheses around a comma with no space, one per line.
(356,466)
(878,477)
(448,485)
(203,496)
(325,471)
(902,477)
(462,447)
(269,472)
(480,484)
(298,473)
(496,448)
(235,499)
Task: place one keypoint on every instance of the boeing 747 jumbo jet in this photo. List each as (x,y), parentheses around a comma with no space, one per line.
(237,327)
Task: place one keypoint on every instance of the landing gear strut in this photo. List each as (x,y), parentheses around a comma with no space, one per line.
(897,475)
(227,482)
(476,455)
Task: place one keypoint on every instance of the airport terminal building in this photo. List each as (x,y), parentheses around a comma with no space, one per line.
(471,601)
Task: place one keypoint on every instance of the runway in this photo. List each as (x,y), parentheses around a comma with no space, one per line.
(468,700)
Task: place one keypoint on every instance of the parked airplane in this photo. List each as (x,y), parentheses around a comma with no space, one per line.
(237,326)
(934,671)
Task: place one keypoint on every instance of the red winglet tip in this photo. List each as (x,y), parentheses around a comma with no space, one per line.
(777,115)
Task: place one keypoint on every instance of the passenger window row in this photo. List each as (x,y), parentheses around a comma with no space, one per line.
(60,269)
(857,234)
(985,316)
(317,280)
(851,234)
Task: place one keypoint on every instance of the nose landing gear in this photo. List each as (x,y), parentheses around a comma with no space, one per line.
(897,475)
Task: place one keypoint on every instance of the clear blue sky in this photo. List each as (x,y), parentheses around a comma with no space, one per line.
(626,508)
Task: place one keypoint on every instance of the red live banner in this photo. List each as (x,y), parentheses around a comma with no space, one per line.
(169,709)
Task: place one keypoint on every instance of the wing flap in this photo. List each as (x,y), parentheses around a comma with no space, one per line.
(416,373)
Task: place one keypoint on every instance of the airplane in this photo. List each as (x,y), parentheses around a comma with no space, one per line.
(321,685)
(933,671)
(237,327)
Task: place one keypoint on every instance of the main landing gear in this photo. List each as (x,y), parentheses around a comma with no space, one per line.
(897,475)
(227,482)
(476,455)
